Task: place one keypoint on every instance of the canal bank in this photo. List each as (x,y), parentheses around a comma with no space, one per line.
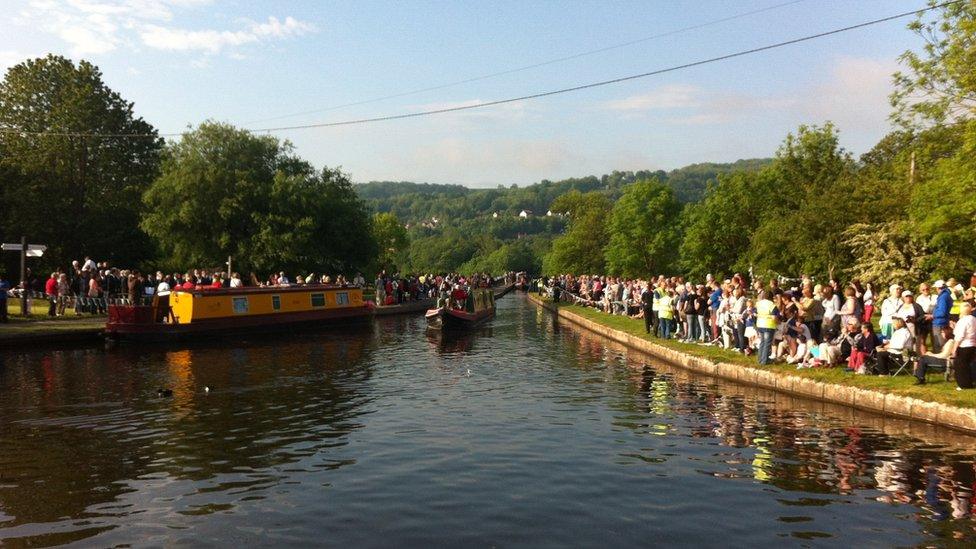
(873,400)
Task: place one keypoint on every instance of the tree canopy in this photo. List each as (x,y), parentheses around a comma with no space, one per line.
(78,194)
(226,192)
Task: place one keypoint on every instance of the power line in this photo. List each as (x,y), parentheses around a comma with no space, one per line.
(530,96)
(529,67)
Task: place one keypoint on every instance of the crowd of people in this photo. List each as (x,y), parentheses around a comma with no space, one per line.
(807,324)
(89,287)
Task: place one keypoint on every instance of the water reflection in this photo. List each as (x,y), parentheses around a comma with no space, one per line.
(524,433)
(86,446)
(801,449)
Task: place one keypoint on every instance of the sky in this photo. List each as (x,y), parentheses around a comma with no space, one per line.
(259,64)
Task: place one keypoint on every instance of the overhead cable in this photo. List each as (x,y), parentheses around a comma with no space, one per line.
(529,67)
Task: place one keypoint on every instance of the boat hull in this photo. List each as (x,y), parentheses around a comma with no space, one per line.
(403,308)
(452,320)
(234,326)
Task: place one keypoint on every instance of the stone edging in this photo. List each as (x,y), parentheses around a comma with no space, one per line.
(954,417)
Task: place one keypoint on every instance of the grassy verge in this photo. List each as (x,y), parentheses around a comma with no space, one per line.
(38,323)
(936,389)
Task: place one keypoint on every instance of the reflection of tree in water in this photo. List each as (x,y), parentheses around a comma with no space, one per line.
(801,451)
(91,428)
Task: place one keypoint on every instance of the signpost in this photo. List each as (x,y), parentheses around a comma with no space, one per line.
(32,250)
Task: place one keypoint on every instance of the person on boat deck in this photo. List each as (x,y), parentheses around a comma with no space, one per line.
(900,342)
(217,282)
(459,296)
(188,283)
(282,279)
(235,280)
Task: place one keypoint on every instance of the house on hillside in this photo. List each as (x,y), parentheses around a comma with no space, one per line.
(525,214)
(549,213)
(494,215)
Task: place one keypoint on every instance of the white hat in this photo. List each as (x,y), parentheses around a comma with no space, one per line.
(938,283)
(906,292)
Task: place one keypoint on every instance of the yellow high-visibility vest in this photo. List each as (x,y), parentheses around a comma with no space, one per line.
(656,301)
(665,307)
(764,314)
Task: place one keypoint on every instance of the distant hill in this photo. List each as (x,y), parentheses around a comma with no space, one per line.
(418,201)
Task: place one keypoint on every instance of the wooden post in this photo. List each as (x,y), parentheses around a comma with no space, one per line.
(23,275)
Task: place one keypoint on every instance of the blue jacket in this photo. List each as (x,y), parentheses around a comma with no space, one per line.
(943,304)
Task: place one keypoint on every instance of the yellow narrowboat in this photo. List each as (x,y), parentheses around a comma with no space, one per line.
(237,310)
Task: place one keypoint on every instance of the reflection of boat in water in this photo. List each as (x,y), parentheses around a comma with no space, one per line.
(451,342)
(463,312)
(189,313)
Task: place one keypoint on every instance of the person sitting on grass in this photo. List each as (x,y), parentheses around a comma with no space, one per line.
(900,342)
(838,349)
(936,360)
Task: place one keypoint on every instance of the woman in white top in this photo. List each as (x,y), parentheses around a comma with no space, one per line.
(965,335)
(901,341)
(868,299)
(888,308)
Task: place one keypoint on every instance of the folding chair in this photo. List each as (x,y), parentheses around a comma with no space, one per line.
(903,362)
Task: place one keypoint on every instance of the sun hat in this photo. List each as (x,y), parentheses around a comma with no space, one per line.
(938,283)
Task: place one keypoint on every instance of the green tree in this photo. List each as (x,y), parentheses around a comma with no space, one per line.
(77,187)
(224,191)
(940,83)
(392,239)
(801,230)
(580,249)
(944,209)
(717,231)
(644,230)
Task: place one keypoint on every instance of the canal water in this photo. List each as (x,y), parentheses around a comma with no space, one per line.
(526,433)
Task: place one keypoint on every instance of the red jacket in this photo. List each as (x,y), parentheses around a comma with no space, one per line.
(51,287)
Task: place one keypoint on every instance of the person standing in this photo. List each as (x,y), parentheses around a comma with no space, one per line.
(647,303)
(940,314)
(51,289)
(4,288)
(965,335)
(767,319)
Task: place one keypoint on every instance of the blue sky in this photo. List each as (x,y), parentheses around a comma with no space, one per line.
(255,63)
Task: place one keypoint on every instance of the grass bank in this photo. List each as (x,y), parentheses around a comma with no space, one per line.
(39,325)
(936,389)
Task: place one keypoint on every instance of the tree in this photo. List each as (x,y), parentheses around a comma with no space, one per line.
(944,210)
(391,237)
(644,230)
(224,191)
(717,231)
(888,252)
(580,250)
(800,231)
(77,187)
(940,84)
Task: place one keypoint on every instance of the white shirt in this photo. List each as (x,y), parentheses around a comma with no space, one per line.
(888,308)
(926,302)
(831,307)
(868,297)
(163,287)
(965,331)
(236,283)
(900,340)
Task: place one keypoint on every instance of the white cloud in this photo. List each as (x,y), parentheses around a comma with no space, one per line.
(665,97)
(212,41)
(92,27)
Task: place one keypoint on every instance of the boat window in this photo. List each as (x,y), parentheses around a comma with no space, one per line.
(318,300)
(342,298)
(240,305)
(276,302)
